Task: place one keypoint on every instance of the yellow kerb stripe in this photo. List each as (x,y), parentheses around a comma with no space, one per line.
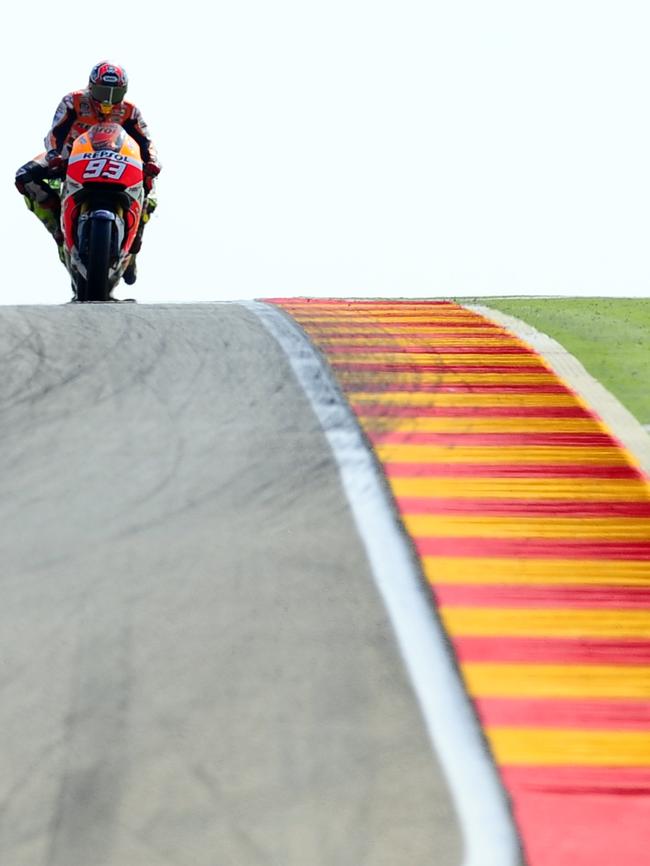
(551,622)
(578,489)
(354,315)
(424,342)
(498,454)
(547,746)
(430,358)
(370,308)
(394,379)
(557,681)
(344,328)
(474,424)
(488,526)
(426,398)
(512,571)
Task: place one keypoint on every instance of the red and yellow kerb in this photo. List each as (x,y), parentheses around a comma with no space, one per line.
(532,523)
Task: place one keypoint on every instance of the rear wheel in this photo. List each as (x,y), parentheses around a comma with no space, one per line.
(99,258)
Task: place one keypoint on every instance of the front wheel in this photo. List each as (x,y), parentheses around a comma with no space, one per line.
(99,259)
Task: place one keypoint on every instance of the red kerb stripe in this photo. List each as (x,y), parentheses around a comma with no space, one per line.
(373,386)
(618,715)
(391,410)
(524,507)
(602,823)
(432,350)
(534,548)
(507,470)
(583,440)
(574,651)
(470,369)
(463,333)
(340,327)
(580,780)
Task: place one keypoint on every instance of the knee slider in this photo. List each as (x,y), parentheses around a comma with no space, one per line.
(31,172)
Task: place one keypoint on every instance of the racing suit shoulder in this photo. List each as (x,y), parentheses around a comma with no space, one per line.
(136,127)
(83,104)
(74,114)
(64,117)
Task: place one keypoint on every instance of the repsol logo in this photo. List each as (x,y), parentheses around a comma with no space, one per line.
(106,154)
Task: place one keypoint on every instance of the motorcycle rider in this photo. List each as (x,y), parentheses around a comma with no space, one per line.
(102,100)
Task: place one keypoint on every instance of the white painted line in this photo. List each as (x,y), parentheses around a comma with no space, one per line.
(622,424)
(490,837)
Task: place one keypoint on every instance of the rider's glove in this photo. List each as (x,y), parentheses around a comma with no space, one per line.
(150,170)
(56,164)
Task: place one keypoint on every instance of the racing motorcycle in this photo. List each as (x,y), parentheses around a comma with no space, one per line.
(102,196)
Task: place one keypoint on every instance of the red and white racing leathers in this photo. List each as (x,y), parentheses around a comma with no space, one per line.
(76,113)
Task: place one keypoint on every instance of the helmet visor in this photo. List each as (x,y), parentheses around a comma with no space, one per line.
(102,93)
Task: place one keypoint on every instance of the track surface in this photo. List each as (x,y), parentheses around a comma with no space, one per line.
(195,667)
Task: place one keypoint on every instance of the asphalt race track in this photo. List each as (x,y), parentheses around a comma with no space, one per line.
(195,665)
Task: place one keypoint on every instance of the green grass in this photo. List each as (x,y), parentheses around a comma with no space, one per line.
(611,337)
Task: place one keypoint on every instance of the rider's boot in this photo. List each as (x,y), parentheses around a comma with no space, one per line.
(130,275)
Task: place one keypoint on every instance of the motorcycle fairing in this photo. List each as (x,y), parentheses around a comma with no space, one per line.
(104,163)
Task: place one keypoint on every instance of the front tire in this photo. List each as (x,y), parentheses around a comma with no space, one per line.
(99,259)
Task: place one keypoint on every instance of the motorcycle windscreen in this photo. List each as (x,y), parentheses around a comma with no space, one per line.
(108,136)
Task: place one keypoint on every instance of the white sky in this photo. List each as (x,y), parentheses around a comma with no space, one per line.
(356,147)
